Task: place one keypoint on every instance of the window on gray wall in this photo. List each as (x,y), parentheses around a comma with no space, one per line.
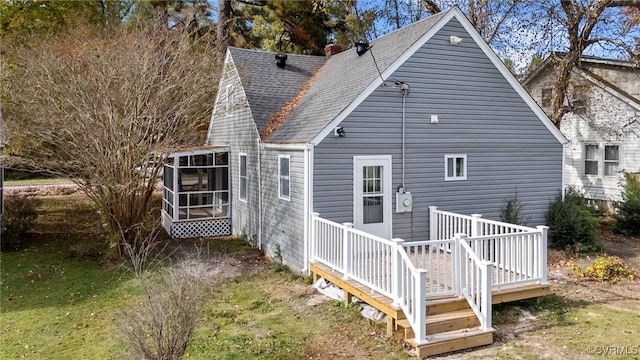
(455,167)
(242,193)
(284,180)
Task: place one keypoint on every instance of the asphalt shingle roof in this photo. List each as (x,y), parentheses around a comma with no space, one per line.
(269,87)
(343,77)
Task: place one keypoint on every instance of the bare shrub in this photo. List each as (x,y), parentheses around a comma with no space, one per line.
(20,216)
(95,105)
(162,325)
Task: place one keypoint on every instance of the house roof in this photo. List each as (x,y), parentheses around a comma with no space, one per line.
(582,69)
(269,87)
(312,94)
(343,78)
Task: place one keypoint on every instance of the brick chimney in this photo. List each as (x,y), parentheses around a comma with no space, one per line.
(332,49)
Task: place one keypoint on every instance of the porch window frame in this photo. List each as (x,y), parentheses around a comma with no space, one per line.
(282,177)
(241,177)
(455,177)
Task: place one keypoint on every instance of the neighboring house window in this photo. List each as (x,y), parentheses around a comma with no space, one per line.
(546,97)
(611,159)
(284,182)
(579,103)
(229,100)
(590,159)
(455,167)
(243,177)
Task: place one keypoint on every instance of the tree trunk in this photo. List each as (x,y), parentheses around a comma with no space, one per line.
(224,24)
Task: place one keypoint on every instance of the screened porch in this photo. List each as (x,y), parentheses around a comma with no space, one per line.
(195,190)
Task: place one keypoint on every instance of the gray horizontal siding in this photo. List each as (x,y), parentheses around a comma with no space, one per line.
(282,220)
(480,115)
(238,131)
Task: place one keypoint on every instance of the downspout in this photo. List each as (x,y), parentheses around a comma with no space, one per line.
(564,160)
(305,213)
(404,96)
(259,193)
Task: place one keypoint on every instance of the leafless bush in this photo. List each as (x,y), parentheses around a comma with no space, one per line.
(162,325)
(97,105)
(20,216)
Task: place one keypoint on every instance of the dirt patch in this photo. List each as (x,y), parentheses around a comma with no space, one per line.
(41,190)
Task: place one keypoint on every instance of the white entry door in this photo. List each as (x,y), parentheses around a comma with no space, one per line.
(372,194)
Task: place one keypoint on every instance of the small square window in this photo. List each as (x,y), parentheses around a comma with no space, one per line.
(284,181)
(455,167)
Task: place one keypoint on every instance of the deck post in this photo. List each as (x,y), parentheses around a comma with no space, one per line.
(462,265)
(314,241)
(543,254)
(346,250)
(485,306)
(433,223)
(396,265)
(476,231)
(420,299)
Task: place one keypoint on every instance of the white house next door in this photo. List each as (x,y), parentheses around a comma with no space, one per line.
(372,194)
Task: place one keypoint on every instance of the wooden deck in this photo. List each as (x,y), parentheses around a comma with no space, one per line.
(451,324)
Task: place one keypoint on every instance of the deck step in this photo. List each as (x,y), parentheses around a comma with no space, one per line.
(446,304)
(440,323)
(453,341)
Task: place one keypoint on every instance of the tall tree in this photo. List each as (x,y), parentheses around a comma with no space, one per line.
(94,104)
(584,24)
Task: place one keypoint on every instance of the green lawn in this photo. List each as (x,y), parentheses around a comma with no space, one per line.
(59,302)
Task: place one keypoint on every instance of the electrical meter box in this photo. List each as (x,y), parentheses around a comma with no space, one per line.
(404,202)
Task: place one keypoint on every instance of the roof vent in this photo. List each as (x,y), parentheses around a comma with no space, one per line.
(362,46)
(281,60)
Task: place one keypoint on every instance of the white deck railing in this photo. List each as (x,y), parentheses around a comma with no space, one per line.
(474,279)
(440,266)
(465,256)
(518,253)
(380,264)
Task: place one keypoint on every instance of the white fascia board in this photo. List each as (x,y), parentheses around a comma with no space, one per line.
(216,149)
(276,146)
(511,79)
(383,77)
(608,89)
(227,59)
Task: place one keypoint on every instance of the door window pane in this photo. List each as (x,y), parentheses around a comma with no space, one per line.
(372,202)
(372,210)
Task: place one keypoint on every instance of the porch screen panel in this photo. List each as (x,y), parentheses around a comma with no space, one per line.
(372,197)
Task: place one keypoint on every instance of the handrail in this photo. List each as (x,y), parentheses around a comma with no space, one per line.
(475,281)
